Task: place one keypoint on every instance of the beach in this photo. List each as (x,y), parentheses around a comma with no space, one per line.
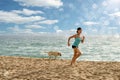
(25,68)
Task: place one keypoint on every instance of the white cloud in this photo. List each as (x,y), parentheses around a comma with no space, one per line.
(111,3)
(18,30)
(114,2)
(33,26)
(64,32)
(27,12)
(104,3)
(70,32)
(59,31)
(56,28)
(11,17)
(94,6)
(43,33)
(90,23)
(41,3)
(77,24)
(47,22)
(28,31)
(116,14)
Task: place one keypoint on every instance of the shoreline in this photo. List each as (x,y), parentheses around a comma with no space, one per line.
(22,68)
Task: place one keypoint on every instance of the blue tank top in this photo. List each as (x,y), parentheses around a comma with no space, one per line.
(77,41)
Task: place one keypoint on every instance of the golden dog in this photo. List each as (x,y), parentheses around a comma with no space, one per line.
(55,54)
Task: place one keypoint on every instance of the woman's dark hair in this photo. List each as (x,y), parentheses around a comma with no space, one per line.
(79,28)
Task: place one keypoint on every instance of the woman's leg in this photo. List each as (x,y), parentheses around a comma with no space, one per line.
(74,56)
(77,53)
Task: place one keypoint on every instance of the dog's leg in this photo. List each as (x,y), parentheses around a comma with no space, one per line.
(49,59)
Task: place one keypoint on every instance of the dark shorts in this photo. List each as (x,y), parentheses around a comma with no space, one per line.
(74,46)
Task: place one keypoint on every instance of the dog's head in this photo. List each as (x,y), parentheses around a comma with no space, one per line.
(59,54)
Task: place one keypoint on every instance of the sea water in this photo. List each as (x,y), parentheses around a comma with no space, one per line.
(95,48)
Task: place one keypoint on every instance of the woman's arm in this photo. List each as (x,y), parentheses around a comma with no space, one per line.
(83,39)
(70,38)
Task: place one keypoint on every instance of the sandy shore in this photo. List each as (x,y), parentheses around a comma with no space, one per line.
(17,68)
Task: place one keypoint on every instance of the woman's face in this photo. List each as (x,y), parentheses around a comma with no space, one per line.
(79,31)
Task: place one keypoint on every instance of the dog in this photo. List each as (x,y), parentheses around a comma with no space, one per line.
(55,54)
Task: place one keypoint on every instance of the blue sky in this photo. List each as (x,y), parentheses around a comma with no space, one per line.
(59,16)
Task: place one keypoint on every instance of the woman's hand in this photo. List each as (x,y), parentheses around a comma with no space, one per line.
(83,39)
(68,44)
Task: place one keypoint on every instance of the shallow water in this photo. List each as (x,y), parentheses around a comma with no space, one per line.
(95,48)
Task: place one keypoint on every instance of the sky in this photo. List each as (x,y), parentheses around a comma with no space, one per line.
(95,17)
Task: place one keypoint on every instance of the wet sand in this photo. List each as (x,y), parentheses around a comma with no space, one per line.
(21,68)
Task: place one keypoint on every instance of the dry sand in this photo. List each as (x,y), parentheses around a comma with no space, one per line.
(18,68)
